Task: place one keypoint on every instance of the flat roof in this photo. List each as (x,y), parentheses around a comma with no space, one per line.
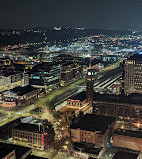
(23,90)
(80,96)
(92,122)
(29,127)
(19,150)
(4,151)
(86,148)
(133,98)
(137,57)
(34,157)
(131,133)
(125,155)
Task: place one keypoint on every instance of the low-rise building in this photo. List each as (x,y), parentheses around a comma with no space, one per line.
(9,151)
(126,109)
(76,104)
(128,139)
(70,72)
(31,134)
(19,96)
(93,129)
(77,100)
(86,151)
(126,155)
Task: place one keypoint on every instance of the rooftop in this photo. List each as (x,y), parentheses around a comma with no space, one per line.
(19,150)
(131,99)
(4,151)
(92,122)
(86,148)
(46,66)
(23,90)
(81,96)
(137,57)
(29,127)
(126,155)
(34,157)
(137,134)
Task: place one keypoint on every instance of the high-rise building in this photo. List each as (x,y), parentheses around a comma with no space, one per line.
(89,84)
(26,79)
(133,74)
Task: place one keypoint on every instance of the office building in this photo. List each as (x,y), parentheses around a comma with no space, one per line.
(70,72)
(46,76)
(133,74)
(93,129)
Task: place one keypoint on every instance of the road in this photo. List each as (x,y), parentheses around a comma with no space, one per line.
(45,102)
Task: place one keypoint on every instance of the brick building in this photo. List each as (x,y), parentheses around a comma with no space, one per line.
(126,109)
(128,139)
(77,100)
(70,72)
(18,96)
(93,129)
(29,133)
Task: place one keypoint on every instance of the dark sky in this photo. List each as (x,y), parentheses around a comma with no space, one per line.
(100,14)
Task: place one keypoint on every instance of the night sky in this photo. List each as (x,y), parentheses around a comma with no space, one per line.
(99,14)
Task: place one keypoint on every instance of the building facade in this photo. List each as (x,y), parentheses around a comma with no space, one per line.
(29,133)
(126,109)
(18,96)
(93,129)
(128,139)
(70,72)
(46,75)
(133,74)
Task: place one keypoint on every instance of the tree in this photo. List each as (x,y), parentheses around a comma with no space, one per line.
(49,133)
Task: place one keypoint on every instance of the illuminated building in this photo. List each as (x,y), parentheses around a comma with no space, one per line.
(128,139)
(133,74)
(46,76)
(83,100)
(26,79)
(77,100)
(93,129)
(70,72)
(9,79)
(64,58)
(5,61)
(126,109)
(77,103)
(18,96)
(29,133)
